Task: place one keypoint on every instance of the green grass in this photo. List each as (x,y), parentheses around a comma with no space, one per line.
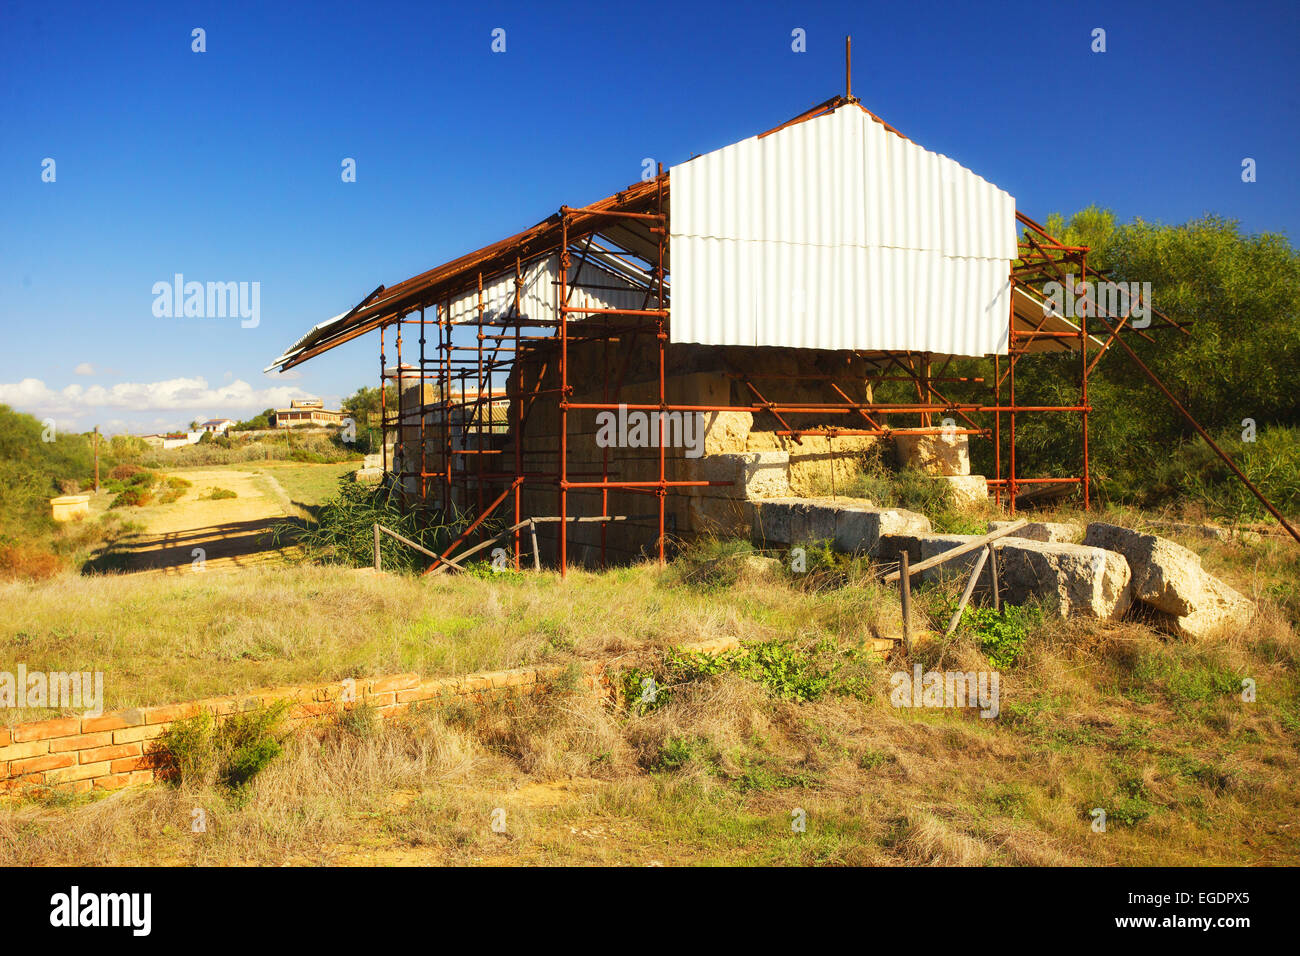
(1151,730)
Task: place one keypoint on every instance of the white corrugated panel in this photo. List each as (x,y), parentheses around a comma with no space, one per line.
(538,296)
(835,233)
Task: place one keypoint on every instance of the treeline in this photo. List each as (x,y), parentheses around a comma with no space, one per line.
(1237,371)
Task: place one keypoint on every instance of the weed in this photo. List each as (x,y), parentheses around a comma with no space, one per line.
(201,750)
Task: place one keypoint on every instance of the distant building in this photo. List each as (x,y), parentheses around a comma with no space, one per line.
(305,411)
(180,439)
(218,426)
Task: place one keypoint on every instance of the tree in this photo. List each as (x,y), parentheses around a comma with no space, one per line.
(1241,295)
(257,422)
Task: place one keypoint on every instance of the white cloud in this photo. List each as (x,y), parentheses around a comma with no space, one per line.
(85,368)
(174,394)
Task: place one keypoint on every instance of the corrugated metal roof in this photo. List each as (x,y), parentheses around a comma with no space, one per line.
(835,233)
(538,295)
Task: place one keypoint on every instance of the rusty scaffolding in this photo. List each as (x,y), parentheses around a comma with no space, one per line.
(472,405)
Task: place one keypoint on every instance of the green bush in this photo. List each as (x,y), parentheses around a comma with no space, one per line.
(202,751)
(786,669)
(172,489)
(711,564)
(343,529)
(1001,635)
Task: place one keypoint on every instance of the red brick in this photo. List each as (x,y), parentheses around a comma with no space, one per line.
(116,781)
(381,700)
(396,682)
(4,737)
(48,762)
(132,734)
(41,729)
(126,764)
(19,751)
(302,711)
(17,784)
(81,742)
(117,720)
(169,712)
(422,692)
(86,771)
(116,752)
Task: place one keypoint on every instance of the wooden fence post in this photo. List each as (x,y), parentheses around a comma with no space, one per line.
(993,574)
(905,595)
(378,560)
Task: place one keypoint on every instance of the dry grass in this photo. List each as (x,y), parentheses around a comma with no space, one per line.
(1093,715)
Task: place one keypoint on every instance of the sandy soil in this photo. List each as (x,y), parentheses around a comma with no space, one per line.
(219,534)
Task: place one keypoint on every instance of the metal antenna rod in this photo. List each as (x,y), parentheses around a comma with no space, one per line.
(848,67)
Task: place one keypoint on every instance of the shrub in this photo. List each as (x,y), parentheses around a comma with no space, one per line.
(173,488)
(131,497)
(217,494)
(343,532)
(711,563)
(786,669)
(201,751)
(1001,634)
(28,561)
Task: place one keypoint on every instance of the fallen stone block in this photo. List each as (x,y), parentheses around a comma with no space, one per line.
(858,530)
(921,546)
(1066,532)
(852,525)
(892,544)
(1169,579)
(934,454)
(933,545)
(1071,579)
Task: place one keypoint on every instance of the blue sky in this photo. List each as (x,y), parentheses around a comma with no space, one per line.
(225,165)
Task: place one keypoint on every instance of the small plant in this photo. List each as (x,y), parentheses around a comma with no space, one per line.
(712,564)
(217,494)
(1001,634)
(132,498)
(172,488)
(360,721)
(676,753)
(783,667)
(202,751)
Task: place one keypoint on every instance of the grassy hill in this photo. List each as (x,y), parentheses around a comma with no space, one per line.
(1105,715)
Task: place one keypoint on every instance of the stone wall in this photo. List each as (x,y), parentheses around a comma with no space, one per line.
(738,447)
(115,749)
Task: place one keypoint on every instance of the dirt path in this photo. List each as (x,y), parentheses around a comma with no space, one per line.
(221,534)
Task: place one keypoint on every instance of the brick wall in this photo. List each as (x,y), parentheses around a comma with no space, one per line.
(113,750)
